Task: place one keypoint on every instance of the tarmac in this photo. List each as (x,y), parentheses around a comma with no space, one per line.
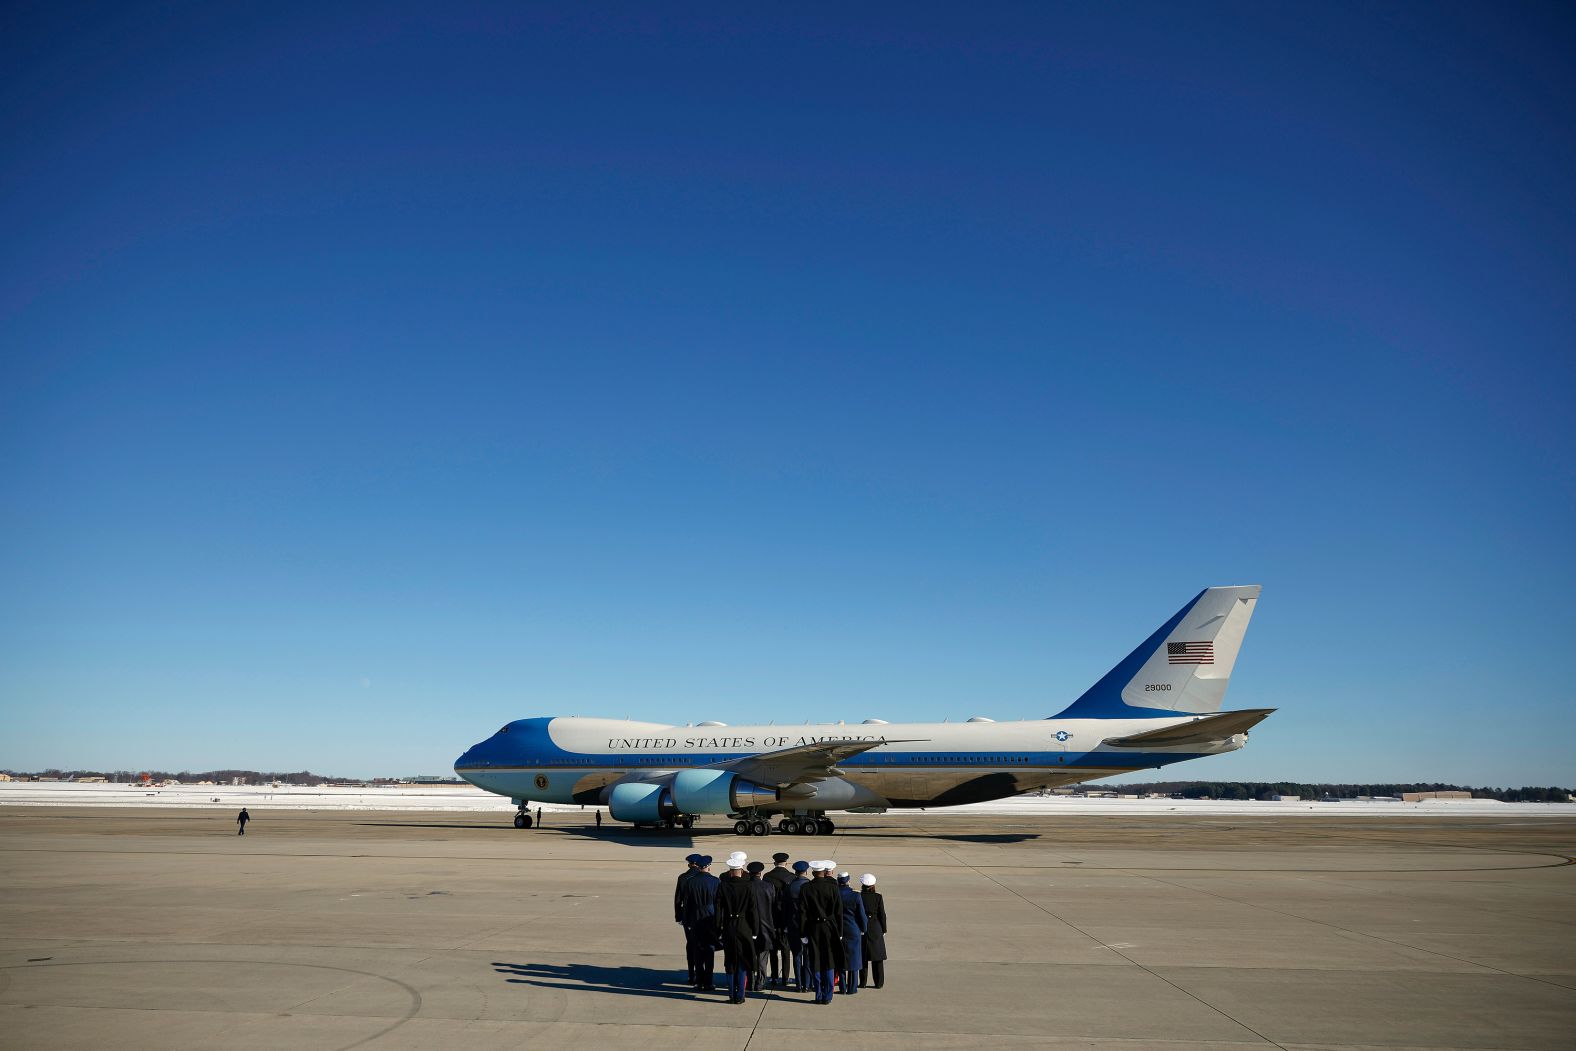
(162,928)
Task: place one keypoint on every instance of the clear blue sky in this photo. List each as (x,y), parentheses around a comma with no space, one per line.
(372,375)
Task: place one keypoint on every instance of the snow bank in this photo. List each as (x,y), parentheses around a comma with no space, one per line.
(467,798)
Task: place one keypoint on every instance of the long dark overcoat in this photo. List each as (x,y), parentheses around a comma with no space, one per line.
(765,892)
(875,933)
(821,921)
(738,921)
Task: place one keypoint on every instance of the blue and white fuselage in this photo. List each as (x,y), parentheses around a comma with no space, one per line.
(1160,705)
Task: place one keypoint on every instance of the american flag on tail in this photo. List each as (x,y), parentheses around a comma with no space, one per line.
(1190,652)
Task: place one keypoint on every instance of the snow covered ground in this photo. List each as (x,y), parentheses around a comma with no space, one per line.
(466,798)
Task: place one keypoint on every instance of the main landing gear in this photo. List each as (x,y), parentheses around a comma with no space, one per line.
(522,819)
(790,826)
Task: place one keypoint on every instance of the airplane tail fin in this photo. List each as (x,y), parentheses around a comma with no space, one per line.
(1183,667)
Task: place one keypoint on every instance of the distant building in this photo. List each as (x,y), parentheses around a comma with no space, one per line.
(1418,797)
(6,777)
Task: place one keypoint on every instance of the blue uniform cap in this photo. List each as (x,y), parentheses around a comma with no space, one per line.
(704,860)
(693,859)
(843,879)
(801,866)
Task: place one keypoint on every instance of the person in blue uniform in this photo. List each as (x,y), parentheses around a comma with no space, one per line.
(700,921)
(793,927)
(678,914)
(738,923)
(854,924)
(875,933)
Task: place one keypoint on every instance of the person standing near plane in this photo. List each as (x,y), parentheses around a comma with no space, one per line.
(854,924)
(875,953)
(782,947)
(765,892)
(678,913)
(538,817)
(700,921)
(737,924)
(821,915)
(599,819)
(794,926)
(240,820)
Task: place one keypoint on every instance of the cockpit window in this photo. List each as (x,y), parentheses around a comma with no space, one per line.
(505,729)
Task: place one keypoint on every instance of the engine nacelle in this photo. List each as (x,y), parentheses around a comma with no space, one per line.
(641,801)
(718,792)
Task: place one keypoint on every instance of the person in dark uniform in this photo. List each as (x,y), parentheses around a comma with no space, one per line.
(875,933)
(678,913)
(538,817)
(240,822)
(765,892)
(854,924)
(792,928)
(599,818)
(821,916)
(782,946)
(737,924)
(700,921)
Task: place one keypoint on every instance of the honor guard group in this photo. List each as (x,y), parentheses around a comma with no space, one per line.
(799,926)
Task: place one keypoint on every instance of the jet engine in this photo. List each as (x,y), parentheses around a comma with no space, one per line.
(718,792)
(644,802)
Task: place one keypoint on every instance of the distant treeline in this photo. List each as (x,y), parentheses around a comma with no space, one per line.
(1269,790)
(223,777)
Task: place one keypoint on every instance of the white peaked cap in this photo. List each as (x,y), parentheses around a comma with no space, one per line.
(868,880)
(820,866)
(842,875)
(830,865)
(738,855)
(735,863)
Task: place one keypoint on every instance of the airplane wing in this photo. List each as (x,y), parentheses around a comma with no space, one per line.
(1205,730)
(801,763)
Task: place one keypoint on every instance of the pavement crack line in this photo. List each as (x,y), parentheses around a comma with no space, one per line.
(1147,970)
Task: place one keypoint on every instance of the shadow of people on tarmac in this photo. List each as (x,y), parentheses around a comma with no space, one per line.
(631,981)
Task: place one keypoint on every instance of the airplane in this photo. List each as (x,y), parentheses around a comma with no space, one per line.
(1160,705)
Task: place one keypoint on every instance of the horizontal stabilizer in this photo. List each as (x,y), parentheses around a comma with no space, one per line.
(1205,730)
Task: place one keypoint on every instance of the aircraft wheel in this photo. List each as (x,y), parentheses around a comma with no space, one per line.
(760,827)
(789,826)
(827,828)
(809,827)
(686,822)
(521,821)
(741,828)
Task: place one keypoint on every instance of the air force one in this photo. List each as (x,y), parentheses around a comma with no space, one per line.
(1160,705)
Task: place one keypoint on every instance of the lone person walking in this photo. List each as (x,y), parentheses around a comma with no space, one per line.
(240,821)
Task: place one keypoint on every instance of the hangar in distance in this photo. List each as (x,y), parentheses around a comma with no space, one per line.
(1160,705)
